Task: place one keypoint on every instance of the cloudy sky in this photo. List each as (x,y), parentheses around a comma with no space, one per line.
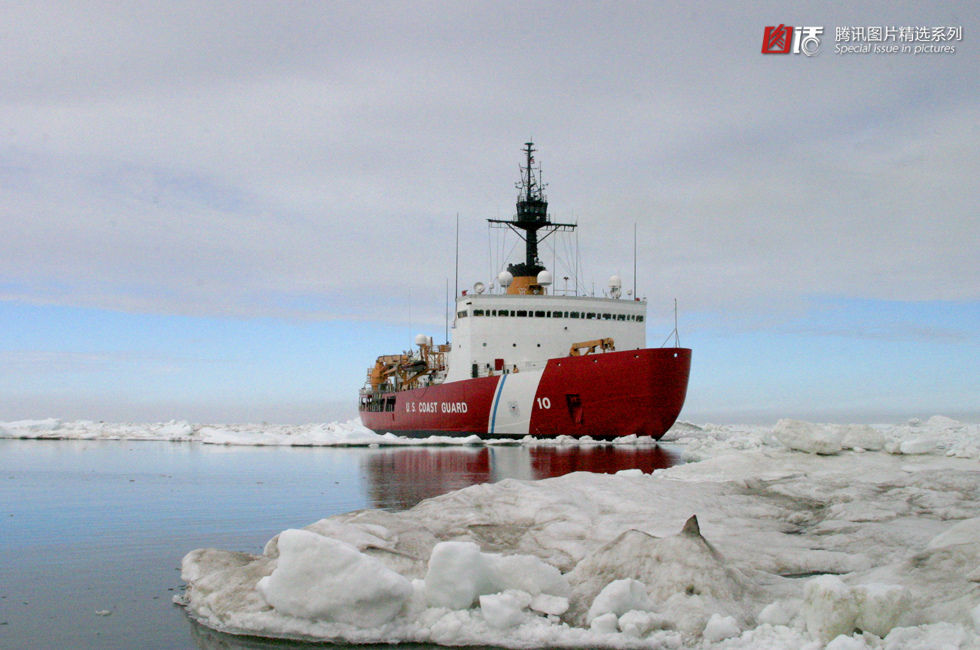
(225,211)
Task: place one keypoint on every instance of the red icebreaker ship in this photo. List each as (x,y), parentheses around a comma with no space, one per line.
(525,361)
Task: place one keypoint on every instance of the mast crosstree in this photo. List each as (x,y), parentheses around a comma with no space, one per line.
(531,223)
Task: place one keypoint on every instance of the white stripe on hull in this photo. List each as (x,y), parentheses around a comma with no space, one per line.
(512,402)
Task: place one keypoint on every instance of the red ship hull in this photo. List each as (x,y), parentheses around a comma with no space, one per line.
(600,395)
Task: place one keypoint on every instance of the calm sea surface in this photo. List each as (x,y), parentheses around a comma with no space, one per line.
(92,533)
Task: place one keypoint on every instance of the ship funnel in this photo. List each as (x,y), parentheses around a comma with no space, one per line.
(544,278)
(479,288)
(505,278)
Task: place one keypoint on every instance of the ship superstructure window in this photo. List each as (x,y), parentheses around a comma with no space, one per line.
(461,314)
(521,313)
(477,312)
(556,314)
(639,319)
(539,314)
(573,314)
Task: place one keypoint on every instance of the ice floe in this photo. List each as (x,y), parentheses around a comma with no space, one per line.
(798,535)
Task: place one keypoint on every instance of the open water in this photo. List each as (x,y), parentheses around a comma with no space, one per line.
(92,533)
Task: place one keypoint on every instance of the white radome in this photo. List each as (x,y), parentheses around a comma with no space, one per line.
(544,278)
(505,278)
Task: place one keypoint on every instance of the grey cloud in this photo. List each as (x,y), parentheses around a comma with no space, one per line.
(307,161)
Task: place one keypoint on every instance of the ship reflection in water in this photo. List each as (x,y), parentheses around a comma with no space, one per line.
(399,478)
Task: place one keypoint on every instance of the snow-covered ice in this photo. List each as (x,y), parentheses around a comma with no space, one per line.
(800,535)
(335,434)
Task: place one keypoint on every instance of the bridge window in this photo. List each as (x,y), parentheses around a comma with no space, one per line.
(461,314)
(477,312)
(557,314)
(521,313)
(539,314)
(606,316)
(590,316)
(621,317)
(639,319)
(573,314)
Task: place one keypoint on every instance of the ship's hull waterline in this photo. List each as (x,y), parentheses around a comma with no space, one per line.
(604,396)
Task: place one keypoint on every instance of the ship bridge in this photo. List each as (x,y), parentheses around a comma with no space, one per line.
(505,333)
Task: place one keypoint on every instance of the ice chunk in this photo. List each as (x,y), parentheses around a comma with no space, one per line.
(630,472)
(922,445)
(221,585)
(525,572)
(619,597)
(808,437)
(781,612)
(459,572)
(636,623)
(506,609)
(684,563)
(720,628)
(551,605)
(943,422)
(862,436)
(606,624)
(880,606)
(457,575)
(829,607)
(325,579)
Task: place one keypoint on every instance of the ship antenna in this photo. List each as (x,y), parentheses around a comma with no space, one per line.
(677,336)
(456,287)
(636,297)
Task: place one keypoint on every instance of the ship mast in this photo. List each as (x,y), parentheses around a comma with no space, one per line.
(531,217)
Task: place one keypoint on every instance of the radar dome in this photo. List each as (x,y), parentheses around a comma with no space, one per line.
(544,278)
(615,282)
(421,339)
(479,288)
(505,278)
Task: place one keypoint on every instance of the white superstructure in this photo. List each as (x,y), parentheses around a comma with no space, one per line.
(494,334)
